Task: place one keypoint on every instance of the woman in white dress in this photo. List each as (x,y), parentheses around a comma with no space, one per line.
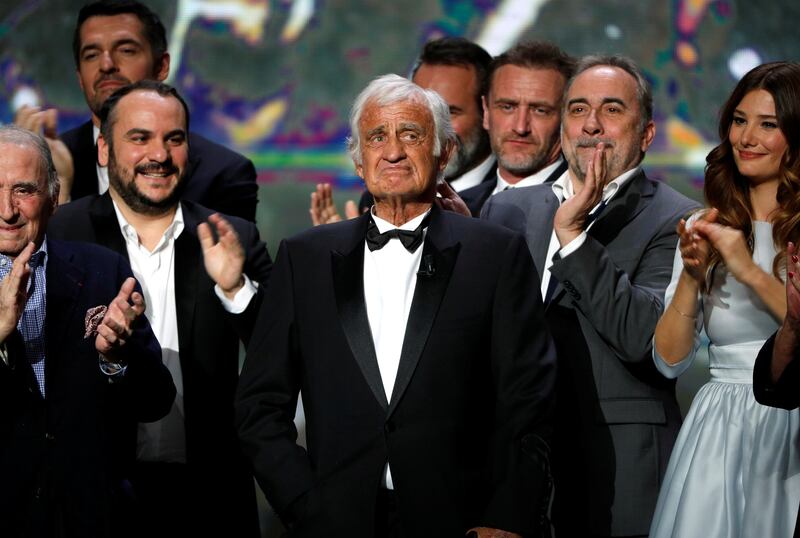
(735,468)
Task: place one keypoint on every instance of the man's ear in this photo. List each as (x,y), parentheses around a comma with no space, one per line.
(485,112)
(648,136)
(162,69)
(102,151)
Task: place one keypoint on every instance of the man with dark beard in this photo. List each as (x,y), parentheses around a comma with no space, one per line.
(522,112)
(190,477)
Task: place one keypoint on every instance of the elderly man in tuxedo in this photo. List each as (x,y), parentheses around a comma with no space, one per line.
(418,340)
(79,364)
(603,238)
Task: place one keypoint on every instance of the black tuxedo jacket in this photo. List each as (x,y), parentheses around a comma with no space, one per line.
(64,458)
(467,426)
(785,393)
(208,337)
(218,178)
(617,416)
(476,196)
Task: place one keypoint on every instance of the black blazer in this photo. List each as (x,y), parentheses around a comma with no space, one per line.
(467,426)
(64,458)
(218,178)
(476,196)
(209,350)
(617,416)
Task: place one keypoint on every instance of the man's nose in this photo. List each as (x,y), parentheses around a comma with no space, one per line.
(592,125)
(158,151)
(394,150)
(522,123)
(107,64)
(8,207)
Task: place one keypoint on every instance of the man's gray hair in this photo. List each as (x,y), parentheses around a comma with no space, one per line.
(644,94)
(11,134)
(391,89)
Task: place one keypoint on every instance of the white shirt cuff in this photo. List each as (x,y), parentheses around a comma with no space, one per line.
(572,246)
(241,299)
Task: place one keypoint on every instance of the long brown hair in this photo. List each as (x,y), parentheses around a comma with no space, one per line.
(728,191)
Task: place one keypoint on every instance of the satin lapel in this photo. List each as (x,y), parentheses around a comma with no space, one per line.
(64,283)
(348,282)
(625,205)
(106,226)
(189,269)
(428,297)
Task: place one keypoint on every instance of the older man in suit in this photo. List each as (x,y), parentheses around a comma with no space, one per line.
(417,338)
(191,476)
(118,42)
(79,365)
(603,238)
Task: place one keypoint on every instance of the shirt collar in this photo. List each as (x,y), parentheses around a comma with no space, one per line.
(172,232)
(473,177)
(384,225)
(535,179)
(40,252)
(564,189)
(95,133)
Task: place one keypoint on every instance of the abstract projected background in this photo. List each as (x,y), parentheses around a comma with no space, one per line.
(274,79)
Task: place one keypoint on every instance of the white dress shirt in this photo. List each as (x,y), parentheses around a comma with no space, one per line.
(102,171)
(536,179)
(564,189)
(473,177)
(165,439)
(390,278)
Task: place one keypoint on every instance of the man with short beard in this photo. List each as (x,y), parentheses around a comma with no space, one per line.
(190,477)
(603,239)
(521,112)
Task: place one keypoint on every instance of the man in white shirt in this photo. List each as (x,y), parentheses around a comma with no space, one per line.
(522,113)
(190,477)
(417,338)
(603,239)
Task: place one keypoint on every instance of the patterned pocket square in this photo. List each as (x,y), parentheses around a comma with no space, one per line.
(94,316)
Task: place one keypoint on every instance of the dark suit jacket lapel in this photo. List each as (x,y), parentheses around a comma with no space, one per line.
(540,229)
(106,226)
(441,247)
(189,269)
(347,265)
(64,282)
(85,158)
(625,205)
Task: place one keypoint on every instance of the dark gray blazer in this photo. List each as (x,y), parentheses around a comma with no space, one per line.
(617,418)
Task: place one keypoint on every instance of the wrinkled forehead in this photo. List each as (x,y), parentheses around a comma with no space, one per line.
(602,83)
(21,163)
(393,114)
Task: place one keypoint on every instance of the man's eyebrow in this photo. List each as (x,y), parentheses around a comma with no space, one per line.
(507,100)
(578,100)
(138,131)
(615,100)
(377,130)
(176,132)
(411,126)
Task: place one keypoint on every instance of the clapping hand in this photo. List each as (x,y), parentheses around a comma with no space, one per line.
(117,325)
(14,292)
(223,258)
(695,248)
(792,320)
(570,218)
(45,123)
(731,245)
(323,210)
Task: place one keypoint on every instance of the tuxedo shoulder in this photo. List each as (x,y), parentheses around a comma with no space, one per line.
(221,155)
(95,256)
(471,229)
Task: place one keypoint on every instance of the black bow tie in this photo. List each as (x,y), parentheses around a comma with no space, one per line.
(411,239)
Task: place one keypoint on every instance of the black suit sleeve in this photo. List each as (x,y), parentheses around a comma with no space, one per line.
(146,389)
(785,392)
(523,367)
(267,396)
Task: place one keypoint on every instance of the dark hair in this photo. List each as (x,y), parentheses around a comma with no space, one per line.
(534,55)
(108,117)
(154,31)
(728,191)
(456,51)
(644,94)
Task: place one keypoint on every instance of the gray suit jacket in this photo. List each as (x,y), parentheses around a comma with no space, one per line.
(617,418)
